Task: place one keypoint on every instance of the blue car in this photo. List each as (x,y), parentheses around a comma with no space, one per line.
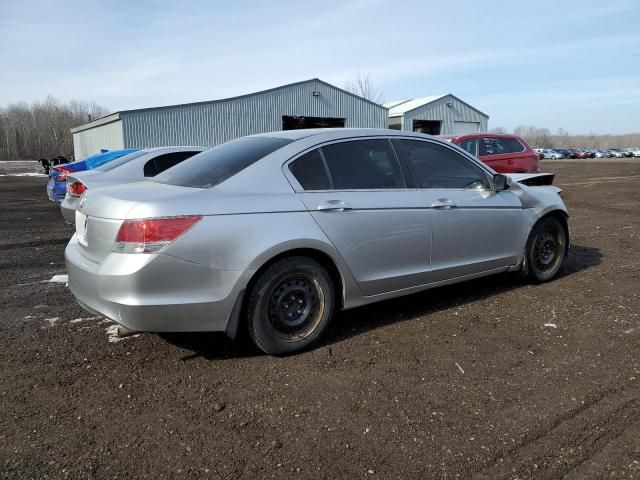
(57,185)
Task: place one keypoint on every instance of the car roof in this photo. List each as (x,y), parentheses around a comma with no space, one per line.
(339,133)
(455,136)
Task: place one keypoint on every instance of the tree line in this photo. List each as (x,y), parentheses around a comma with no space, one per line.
(42,129)
(543,138)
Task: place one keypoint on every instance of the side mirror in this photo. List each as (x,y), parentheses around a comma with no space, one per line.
(500,182)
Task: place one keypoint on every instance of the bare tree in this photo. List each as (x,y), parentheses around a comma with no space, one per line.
(42,129)
(364,87)
(543,138)
(498,130)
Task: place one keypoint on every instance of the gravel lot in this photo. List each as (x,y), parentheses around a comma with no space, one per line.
(462,381)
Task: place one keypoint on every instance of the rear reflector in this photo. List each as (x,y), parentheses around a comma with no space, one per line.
(150,235)
(77,188)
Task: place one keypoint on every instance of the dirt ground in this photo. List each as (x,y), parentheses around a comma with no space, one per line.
(459,382)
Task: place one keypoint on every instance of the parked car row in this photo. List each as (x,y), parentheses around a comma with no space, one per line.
(559,153)
(274,233)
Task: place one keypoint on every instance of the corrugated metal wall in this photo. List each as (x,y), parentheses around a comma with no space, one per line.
(439,110)
(209,124)
(108,136)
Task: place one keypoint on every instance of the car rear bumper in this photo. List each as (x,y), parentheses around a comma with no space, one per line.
(68,209)
(154,292)
(54,192)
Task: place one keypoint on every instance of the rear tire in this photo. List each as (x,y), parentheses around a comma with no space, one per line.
(546,249)
(290,306)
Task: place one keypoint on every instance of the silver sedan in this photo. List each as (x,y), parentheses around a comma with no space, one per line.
(275,232)
(134,167)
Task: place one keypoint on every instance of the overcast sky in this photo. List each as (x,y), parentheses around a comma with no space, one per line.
(552,63)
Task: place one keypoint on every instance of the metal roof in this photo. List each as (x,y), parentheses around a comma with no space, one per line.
(119,114)
(400,107)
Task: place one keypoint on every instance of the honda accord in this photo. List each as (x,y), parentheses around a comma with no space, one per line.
(274,232)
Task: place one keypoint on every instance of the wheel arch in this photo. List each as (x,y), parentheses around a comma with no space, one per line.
(563,218)
(320,256)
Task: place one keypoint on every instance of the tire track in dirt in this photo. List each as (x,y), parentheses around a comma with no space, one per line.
(570,439)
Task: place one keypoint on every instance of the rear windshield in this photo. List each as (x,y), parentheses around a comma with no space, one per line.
(116,163)
(214,166)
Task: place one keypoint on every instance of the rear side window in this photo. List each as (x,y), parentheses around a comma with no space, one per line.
(513,146)
(217,164)
(436,166)
(363,165)
(164,162)
(310,171)
(470,145)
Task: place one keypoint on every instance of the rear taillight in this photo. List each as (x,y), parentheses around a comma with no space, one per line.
(63,172)
(150,235)
(76,189)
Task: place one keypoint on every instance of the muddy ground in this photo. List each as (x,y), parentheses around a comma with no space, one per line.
(463,381)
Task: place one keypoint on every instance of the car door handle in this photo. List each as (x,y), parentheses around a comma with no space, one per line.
(334,206)
(443,203)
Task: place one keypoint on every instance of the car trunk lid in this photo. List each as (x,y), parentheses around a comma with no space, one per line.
(101,212)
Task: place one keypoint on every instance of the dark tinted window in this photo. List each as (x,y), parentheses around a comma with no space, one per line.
(436,166)
(120,161)
(470,145)
(217,164)
(310,172)
(512,145)
(362,165)
(164,162)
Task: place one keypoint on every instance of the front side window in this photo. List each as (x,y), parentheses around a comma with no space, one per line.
(436,166)
(363,165)
(310,171)
(470,145)
(219,163)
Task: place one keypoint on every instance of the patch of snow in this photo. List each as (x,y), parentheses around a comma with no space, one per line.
(82,319)
(112,333)
(52,321)
(28,317)
(27,174)
(60,279)
(551,325)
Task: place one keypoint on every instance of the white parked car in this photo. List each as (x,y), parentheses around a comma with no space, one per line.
(552,154)
(134,167)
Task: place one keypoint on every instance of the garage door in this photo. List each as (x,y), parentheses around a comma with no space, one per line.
(466,127)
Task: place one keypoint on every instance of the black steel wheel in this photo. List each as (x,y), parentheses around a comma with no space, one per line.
(290,305)
(546,249)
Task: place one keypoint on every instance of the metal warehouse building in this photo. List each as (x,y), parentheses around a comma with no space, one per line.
(307,104)
(436,115)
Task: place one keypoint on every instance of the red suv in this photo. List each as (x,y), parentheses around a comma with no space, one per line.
(504,153)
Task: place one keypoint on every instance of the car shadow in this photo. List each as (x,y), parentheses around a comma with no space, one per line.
(350,323)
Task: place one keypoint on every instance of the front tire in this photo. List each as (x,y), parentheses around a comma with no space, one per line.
(290,305)
(546,249)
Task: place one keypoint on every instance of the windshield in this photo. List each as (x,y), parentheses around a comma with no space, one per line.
(214,166)
(116,163)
